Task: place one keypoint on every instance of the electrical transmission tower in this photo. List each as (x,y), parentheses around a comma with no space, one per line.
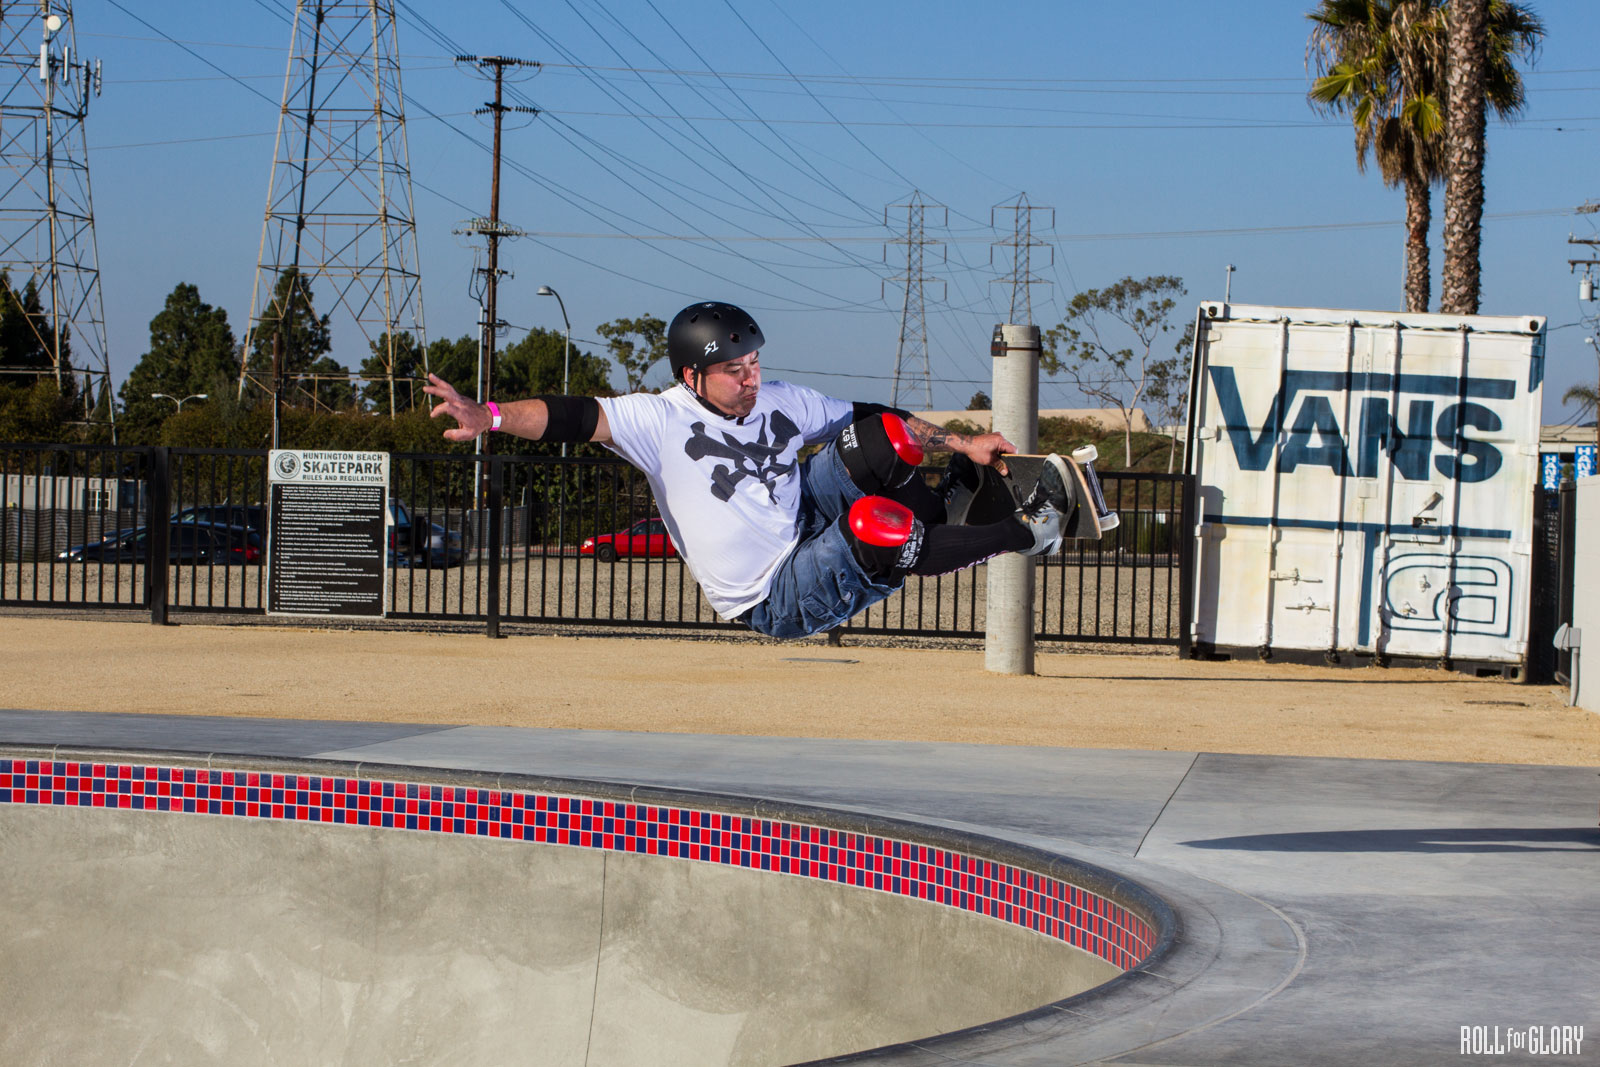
(911,353)
(1021,243)
(47,238)
(339,202)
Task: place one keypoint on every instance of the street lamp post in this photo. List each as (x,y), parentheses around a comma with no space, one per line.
(177,400)
(566,389)
(566,351)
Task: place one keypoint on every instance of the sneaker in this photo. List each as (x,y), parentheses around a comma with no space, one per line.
(1049,507)
(957,488)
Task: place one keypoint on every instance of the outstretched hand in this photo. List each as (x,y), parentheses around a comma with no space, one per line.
(472,418)
(989,449)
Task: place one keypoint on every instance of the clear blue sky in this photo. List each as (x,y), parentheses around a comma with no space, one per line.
(1169,138)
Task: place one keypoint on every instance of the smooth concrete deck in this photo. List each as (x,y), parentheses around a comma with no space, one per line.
(1334,911)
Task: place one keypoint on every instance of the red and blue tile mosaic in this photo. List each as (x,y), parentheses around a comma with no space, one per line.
(1048,905)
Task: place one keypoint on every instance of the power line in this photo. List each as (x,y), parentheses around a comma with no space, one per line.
(1235,231)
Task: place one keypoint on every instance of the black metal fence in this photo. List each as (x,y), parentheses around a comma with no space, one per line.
(1554,545)
(521,539)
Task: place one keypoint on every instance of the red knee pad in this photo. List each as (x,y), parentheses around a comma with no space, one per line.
(905,446)
(879,452)
(879,521)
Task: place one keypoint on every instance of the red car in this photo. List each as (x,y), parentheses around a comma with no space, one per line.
(647,537)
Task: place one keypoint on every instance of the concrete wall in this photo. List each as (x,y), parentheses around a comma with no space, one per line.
(1105,418)
(146,937)
(1586,592)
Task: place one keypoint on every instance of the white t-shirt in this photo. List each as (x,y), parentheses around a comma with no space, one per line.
(729,492)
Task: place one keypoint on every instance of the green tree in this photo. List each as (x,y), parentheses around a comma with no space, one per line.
(27,340)
(1587,397)
(636,345)
(1384,64)
(1088,345)
(1380,63)
(980,401)
(37,411)
(325,386)
(456,362)
(306,336)
(1484,37)
(407,371)
(192,350)
(1168,395)
(538,364)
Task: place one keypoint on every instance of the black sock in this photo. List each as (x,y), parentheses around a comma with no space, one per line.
(952,548)
(920,498)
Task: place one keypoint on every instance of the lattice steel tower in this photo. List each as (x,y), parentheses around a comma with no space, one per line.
(911,353)
(1021,243)
(339,202)
(46,211)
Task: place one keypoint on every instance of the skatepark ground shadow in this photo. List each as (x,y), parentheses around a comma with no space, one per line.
(1452,839)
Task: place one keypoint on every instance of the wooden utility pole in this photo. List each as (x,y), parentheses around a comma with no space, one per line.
(492,228)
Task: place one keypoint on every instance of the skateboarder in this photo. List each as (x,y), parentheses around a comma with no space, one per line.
(789,547)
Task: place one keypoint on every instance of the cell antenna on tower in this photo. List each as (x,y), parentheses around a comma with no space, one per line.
(47,242)
(339,200)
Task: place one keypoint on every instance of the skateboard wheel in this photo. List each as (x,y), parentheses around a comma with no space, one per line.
(1086,454)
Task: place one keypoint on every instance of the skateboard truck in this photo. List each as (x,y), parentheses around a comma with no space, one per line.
(1085,457)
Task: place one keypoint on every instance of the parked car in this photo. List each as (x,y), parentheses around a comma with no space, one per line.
(250,516)
(647,537)
(397,532)
(187,542)
(438,548)
(237,544)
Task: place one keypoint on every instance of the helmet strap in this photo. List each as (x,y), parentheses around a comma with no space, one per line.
(699,379)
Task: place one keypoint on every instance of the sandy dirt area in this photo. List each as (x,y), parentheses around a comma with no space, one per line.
(805,689)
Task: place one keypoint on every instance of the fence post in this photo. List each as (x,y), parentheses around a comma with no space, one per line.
(1186,525)
(495,512)
(157,523)
(1566,556)
(1008,630)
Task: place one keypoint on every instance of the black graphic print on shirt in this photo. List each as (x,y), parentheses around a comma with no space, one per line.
(758,459)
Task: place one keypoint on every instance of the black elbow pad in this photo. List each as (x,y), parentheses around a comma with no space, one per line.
(570,418)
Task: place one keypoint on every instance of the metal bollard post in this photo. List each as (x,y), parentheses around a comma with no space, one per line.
(1009,631)
(158,527)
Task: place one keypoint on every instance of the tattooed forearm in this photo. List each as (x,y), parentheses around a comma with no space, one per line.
(935,438)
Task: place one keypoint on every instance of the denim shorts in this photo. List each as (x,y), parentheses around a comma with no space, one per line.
(819,584)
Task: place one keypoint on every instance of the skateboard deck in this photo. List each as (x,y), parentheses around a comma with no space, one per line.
(1000,495)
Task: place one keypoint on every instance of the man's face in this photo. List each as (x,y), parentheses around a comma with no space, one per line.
(731,387)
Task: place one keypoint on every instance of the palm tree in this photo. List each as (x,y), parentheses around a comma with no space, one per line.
(1587,397)
(1483,37)
(1385,63)
(1379,62)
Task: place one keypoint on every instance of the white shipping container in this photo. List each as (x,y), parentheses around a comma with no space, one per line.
(1365,481)
(35,493)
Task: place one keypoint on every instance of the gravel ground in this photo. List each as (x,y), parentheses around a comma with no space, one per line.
(1098,598)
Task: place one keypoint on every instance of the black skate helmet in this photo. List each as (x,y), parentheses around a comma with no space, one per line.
(707,333)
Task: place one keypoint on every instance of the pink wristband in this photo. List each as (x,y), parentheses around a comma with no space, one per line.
(494,411)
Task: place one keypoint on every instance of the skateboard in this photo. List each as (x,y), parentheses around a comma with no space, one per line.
(999,495)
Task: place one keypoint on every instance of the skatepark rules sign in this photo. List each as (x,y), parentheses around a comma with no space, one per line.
(325,554)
